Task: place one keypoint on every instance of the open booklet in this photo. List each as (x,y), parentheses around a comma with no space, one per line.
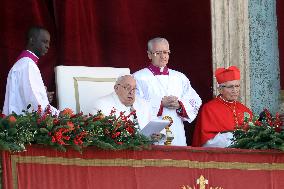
(154,126)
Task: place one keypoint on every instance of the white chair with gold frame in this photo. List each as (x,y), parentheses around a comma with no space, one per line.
(79,86)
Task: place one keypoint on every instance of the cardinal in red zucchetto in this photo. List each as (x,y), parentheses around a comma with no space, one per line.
(220,116)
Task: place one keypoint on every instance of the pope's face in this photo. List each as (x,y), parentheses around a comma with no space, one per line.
(230,90)
(159,55)
(125,90)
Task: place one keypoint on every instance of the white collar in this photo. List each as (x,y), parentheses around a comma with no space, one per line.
(32,53)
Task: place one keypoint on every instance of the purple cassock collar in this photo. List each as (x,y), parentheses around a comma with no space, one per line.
(157,70)
(29,54)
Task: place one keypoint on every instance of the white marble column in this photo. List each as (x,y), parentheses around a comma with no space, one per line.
(264,56)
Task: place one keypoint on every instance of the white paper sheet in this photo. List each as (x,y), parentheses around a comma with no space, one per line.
(154,126)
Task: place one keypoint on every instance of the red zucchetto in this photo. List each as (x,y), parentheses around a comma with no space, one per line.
(223,75)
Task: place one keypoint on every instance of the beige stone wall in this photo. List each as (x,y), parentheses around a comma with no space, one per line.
(230,40)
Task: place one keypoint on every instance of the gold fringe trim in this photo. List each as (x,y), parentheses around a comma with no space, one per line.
(147,163)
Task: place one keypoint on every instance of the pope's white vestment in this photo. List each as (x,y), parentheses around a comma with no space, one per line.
(108,102)
(154,87)
(25,86)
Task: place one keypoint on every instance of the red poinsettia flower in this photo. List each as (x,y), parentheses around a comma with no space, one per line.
(267,114)
(119,143)
(77,115)
(258,123)
(117,125)
(277,129)
(56,121)
(270,122)
(278,121)
(112,112)
(67,112)
(132,113)
(79,137)
(99,117)
(115,135)
(59,136)
(245,126)
(2,115)
(39,110)
(47,110)
(130,130)
(70,125)
(42,118)
(12,119)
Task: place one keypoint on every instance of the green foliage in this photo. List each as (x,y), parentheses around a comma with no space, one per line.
(69,129)
(260,133)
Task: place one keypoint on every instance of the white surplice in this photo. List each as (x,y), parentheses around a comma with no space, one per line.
(108,102)
(25,86)
(153,88)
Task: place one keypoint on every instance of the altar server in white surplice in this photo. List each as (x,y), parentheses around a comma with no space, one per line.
(24,82)
(168,91)
(123,99)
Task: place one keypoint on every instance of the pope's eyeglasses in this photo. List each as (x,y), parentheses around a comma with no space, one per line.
(128,88)
(159,53)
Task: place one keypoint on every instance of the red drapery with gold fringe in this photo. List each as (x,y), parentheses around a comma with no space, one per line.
(161,167)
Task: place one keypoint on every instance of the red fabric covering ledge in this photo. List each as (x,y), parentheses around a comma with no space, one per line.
(164,167)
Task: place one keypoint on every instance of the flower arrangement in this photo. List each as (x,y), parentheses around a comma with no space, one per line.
(260,132)
(69,129)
